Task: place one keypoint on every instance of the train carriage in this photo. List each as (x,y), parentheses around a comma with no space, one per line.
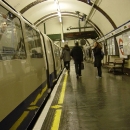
(27,69)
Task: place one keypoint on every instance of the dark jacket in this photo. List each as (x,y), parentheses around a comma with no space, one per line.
(77,54)
(97,56)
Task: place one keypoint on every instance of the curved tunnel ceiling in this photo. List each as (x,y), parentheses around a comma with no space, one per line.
(96,7)
(104,15)
(65,14)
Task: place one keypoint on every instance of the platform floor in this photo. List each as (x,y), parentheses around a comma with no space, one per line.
(89,103)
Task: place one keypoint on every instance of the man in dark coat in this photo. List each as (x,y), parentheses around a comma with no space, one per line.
(97,55)
(77,55)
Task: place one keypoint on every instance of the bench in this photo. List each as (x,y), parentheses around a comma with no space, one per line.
(118,64)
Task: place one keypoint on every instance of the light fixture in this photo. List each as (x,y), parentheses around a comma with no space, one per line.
(69,28)
(58,10)
(60,18)
(88,1)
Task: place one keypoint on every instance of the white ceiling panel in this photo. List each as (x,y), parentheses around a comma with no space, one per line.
(118,10)
(18,4)
(39,11)
(102,22)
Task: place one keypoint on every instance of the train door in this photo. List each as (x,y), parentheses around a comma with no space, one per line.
(50,60)
(35,54)
(57,59)
(61,61)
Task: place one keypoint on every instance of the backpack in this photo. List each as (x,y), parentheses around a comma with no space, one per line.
(102,55)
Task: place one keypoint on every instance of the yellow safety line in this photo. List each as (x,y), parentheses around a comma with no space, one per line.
(55,125)
(39,96)
(58,112)
(19,121)
(25,113)
(56,121)
(62,94)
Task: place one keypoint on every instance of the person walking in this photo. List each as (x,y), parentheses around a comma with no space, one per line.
(77,55)
(66,57)
(97,58)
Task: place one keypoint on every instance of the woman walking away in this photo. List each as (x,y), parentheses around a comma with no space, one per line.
(66,57)
(97,56)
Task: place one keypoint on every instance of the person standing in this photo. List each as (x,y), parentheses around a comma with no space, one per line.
(66,57)
(77,55)
(97,58)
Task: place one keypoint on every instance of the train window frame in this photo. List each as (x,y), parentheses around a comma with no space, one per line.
(15,48)
(35,50)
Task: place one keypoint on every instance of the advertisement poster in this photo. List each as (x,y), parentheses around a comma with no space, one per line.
(126,42)
(108,47)
(111,46)
(120,46)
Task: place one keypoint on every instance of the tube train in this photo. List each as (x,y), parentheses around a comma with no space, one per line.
(29,68)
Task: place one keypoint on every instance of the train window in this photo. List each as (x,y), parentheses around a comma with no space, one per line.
(11,38)
(56,51)
(57,54)
(49,50)
(34,42)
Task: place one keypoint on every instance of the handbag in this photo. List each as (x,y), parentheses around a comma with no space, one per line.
(102,55)
(82,66)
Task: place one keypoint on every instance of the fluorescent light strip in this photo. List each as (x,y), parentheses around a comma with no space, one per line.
(60,19)
(58,10)
(59,14)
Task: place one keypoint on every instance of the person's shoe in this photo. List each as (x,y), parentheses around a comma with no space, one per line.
(80,76)
(77,76)
(98,77)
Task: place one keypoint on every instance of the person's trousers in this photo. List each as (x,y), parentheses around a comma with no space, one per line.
(67,65)
(78,68)
(99,69)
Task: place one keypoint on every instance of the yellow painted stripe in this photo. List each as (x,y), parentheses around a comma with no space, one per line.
(33,107)
(56,106)
(39,96)
(19,121)
(25,113)
(56,122)
(62,94)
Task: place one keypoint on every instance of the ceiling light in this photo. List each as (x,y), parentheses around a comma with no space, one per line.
(58,10)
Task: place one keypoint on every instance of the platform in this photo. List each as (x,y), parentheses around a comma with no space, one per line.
(89,103)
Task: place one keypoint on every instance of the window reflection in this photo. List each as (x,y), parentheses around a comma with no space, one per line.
(34,42)
(11,39)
